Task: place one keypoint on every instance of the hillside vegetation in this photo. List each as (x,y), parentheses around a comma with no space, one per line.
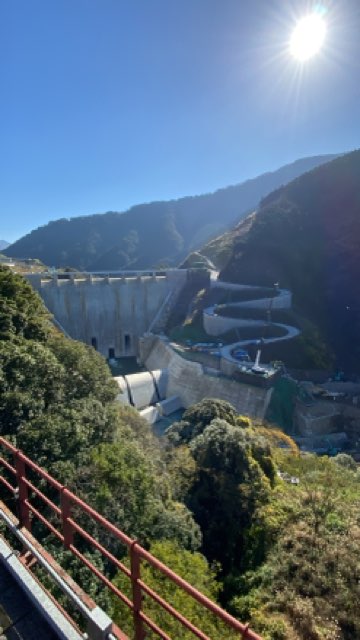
(150,235)
(306,236)
(206,499)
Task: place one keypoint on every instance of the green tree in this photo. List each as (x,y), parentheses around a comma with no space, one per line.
(122,483)
(235,472)
(308,586)
(197,417)
(192,567)
(345,460)
(22,313)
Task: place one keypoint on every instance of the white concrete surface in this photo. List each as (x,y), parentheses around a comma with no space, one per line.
(110,312)
(189,381)
(41,601)
(169,406)
(150,414)
(142,389)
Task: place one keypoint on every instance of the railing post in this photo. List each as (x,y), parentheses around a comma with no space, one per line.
(23,493)
(136,592)
(65,505)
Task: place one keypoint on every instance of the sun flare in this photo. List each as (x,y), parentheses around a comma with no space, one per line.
(308,37)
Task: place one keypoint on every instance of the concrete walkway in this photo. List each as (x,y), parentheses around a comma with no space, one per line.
(19,620)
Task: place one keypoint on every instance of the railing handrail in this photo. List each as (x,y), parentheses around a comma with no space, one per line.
(136,551)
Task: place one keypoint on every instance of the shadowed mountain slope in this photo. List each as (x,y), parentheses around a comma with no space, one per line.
(306,236)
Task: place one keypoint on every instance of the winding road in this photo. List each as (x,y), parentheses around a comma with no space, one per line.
(216,324)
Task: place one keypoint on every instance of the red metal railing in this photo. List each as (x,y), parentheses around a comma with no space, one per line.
(69,527)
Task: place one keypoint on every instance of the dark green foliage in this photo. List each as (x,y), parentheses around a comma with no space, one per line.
(287,554)
(57,401)
(87,373)
(198,417)
(149,234)
(306,236)
(56,395)
(29,383)
(81,575)
(346,461)
(192,567)
(22,313)
(122,482)
(308,587)
(235,472)
(282,403)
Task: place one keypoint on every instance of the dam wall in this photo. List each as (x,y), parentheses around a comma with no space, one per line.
(191,382)
(108,311)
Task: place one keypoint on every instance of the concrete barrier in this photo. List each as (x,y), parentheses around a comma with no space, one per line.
(150,414)
(216,324)
(169,406)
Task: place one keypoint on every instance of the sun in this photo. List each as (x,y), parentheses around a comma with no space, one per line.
(308,37)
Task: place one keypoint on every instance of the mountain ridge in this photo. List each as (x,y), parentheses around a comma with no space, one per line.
(151,234)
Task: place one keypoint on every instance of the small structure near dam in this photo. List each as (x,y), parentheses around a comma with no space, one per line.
(148,392)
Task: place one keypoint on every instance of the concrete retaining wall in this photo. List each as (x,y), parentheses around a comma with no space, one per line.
(216,325)
(282,301)
(189,381)
(230,286)
(150,414)
(169,406)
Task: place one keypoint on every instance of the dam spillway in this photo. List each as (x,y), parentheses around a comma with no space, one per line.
(110,311)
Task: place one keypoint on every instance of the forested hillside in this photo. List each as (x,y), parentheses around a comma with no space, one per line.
(206,498)
(149,235)
(306,236)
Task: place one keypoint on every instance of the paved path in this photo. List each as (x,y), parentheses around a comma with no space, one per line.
(19,620)
(282,294)
(226,351)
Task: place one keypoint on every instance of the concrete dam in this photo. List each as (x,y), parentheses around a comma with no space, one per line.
(110,311)
(125,313)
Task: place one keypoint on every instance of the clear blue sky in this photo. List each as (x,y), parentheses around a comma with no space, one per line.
(108,103)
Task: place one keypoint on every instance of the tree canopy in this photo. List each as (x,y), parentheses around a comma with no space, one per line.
(283,556)
(197,417)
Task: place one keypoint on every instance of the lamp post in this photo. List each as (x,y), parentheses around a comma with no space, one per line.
(268,313)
